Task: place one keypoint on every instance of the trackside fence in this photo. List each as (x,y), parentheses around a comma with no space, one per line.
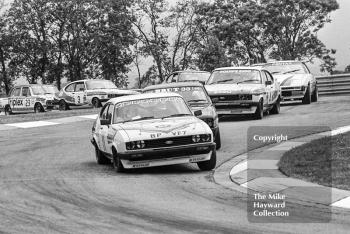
(334,84)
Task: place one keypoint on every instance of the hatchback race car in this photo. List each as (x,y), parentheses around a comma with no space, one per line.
(27,98)
(148,130)
(296,80)
(89,92)
(244,90)
(197,98)
(188,76)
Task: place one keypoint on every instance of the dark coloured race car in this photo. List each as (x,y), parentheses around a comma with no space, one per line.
(188,76)
(198,99)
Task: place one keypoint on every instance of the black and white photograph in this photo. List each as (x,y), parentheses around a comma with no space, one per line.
(174,116)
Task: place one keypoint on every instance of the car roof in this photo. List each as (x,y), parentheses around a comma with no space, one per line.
(174,85)
(276,62)
(136,97)
(238,68)
(190,71)
(26,85)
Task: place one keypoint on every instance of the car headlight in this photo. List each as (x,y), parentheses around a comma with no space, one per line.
(201,138)
(133,145)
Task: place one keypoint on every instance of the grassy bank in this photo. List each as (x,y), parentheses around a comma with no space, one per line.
(324,161)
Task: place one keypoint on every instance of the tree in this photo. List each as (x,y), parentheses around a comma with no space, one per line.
(293,26)
(150,27)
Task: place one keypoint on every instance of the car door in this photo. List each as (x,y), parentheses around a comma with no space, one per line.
(102,130)
(79,93)
(28,101)
(15,100)
(273,90)
(266,89)
(68,94)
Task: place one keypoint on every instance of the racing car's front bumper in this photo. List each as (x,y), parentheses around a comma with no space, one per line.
(236,108)
(167,156)
(293,93)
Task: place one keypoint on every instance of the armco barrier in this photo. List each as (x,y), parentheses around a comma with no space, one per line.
(334,84)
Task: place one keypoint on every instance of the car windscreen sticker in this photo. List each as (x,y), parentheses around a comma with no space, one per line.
(177,89)
(237,71)
(150,100)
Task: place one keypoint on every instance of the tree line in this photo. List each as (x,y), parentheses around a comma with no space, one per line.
(46,40)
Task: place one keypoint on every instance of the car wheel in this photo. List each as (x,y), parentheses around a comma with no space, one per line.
(96,103)
(38,108)
(8,110)
(101,159)
(307,97)
(314,97)
(259,113)
(117,164)
(62,105)
(276,108)
(218,140)
(210,164)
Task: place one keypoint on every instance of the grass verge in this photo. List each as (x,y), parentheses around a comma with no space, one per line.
(17,118)
(325,161)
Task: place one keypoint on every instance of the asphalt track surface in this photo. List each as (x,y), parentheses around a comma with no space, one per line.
(50,183)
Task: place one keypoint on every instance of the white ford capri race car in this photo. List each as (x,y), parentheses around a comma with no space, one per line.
(89,92)
(244,91)
(297,83)
(149,130)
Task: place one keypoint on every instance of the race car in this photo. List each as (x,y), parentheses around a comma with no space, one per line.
(27,98)
(197,98)
(89,92)
(296,80)
(148,130)
(188,76)
(244,91)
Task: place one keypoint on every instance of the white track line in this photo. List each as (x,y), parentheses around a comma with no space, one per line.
(344,203)
(239,168)
(34,124)
(88,116)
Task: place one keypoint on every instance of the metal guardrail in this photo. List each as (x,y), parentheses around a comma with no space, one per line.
(334,84)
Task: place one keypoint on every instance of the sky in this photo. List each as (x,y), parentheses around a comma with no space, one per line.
(336,35)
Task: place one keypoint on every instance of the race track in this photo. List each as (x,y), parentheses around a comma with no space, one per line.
(50,183)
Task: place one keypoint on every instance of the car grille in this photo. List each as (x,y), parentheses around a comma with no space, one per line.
(286,93)
(226,107)
(227,98)
(168,142)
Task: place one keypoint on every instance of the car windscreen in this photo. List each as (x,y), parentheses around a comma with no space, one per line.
(100,84)
(285,68)
(50,89)
(203,77)
(151,108)
(38,90)
(192,94)
(235,77)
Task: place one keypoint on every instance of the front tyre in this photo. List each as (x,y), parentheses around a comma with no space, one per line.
(218,140)
(38,108)
(314,97)
(117,164)
(259,113)
(63,105)
(210,164)
(8,110)
(307,96)
(96,103)
(101,159)
(276,107)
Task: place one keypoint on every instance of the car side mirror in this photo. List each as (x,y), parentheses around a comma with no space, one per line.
(105,122)
(198,113)
(268,82)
